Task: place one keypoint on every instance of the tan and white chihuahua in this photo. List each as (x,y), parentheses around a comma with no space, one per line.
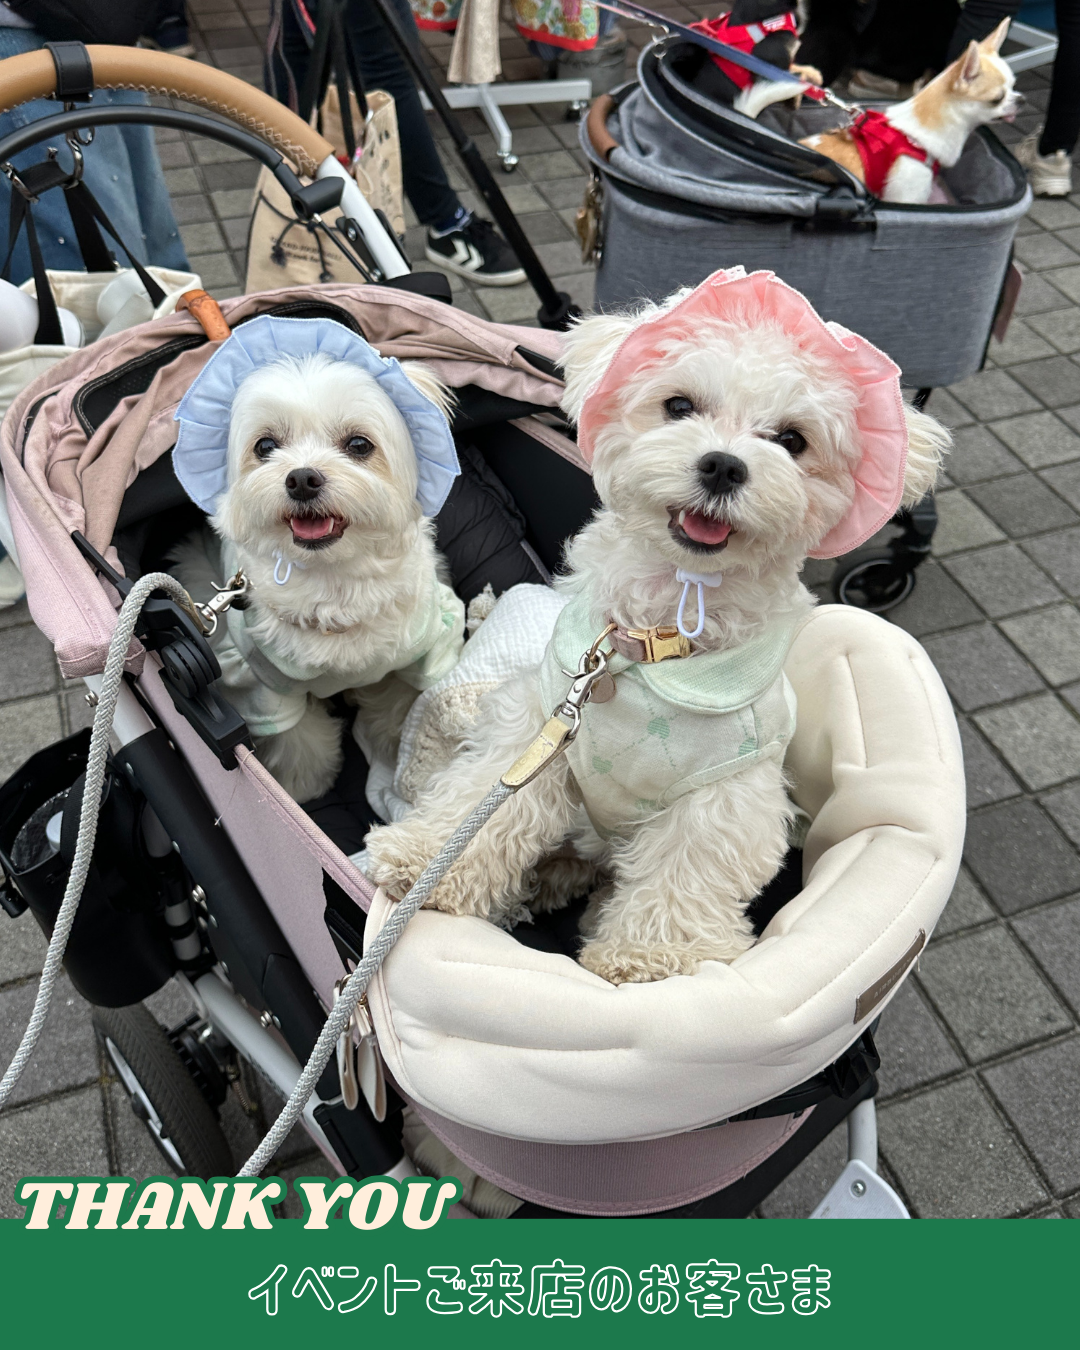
(896,152)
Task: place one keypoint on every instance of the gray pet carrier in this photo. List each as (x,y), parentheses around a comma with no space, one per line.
(690,185)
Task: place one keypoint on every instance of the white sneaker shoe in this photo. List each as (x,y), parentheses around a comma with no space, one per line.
(1049,175)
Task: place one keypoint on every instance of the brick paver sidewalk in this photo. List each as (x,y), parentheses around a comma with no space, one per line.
(980,1089)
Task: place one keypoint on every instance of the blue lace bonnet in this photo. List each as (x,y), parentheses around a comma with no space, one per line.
(200,456)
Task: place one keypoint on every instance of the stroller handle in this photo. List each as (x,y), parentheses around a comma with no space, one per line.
(33,75)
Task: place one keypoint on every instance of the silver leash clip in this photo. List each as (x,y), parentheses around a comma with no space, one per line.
(234,589)
(590,678)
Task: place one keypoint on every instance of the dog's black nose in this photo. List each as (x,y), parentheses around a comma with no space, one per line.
(303,484)
(721,473)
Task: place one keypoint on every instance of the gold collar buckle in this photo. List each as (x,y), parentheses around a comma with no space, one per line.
(661,643)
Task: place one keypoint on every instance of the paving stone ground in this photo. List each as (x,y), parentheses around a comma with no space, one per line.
(980,1085)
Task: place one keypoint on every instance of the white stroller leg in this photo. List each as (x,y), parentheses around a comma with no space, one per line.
(858,1192)
(862,1134)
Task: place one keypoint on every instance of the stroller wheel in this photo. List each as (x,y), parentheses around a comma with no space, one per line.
(163,1094)
(876,581)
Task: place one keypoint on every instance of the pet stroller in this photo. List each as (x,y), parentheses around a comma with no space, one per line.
(689,185)
(693,1096)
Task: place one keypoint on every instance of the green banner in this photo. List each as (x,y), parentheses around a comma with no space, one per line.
(558,1283)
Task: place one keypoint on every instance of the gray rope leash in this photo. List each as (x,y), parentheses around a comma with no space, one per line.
(111,683)
(358,981)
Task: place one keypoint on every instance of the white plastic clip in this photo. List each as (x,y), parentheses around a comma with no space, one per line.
(700,580)
(279,558)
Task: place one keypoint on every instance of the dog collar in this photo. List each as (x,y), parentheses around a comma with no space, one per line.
(662,642)
(646,646)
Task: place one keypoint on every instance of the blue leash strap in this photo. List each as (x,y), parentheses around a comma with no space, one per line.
(629,10)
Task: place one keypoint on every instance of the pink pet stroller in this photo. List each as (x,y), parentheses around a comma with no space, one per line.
(693,1096)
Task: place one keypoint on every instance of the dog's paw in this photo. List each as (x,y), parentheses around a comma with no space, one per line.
(809,73)
(621,963)
(635,965)
(396,856)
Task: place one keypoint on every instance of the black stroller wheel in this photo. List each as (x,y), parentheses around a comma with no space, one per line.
(876,581)
(163,1094)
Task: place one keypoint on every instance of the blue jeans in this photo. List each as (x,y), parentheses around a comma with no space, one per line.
(122,170)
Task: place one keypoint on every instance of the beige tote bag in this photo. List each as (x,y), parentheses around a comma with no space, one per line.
(284,251)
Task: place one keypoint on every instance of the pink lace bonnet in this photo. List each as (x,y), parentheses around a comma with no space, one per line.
(751,299)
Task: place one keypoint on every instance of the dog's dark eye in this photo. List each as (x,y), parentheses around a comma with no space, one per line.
(679,406)
(264,446)
(794,442)
(359,446)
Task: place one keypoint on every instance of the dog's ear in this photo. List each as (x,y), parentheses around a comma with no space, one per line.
(429,384)
(992,44)
(928,442)
(967,67)
(587,352)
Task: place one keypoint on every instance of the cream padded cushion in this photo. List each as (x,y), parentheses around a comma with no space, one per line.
(517,1042)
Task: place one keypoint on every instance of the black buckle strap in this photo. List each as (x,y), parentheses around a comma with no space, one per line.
(25,189)
(843,1078)
(90,202)
(74,71)
(86,214)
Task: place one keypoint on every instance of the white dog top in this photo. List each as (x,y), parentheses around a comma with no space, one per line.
(270,692)
(673,726)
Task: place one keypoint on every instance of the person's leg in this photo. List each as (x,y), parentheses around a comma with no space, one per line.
(456,239)
(1062,127)
(382,67)
(978,19)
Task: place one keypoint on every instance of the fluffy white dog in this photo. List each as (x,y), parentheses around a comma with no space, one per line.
(328,463)
(732,433)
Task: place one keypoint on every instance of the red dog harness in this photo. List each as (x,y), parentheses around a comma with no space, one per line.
(880,145)
(744,38)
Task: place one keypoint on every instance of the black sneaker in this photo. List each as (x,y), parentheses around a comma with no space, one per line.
(478,251)
(171,36)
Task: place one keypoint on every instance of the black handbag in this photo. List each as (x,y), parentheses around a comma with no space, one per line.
(121,22)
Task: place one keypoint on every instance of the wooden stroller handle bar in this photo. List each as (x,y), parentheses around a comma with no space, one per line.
(33,75)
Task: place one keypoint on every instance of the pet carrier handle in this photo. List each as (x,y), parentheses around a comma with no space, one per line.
(33,75)
(603,142)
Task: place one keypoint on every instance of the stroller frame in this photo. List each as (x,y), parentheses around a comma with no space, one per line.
(226,949)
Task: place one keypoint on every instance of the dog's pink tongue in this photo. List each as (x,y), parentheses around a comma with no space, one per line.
(311,527)
(703,529)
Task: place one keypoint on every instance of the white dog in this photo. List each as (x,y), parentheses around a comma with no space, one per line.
(321,465)
(733,433)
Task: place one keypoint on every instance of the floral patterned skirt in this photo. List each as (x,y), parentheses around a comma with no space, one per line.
(571,24)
